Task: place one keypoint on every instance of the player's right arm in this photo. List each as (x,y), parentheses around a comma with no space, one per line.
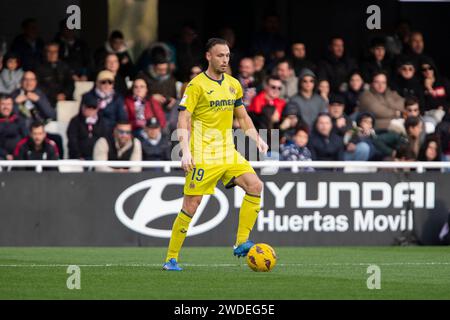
(184,123)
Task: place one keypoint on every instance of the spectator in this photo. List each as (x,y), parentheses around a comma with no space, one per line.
(155,144)
(141,107)
(267,107)
(269,41)
(189,51)
(378,60)
(431,149)
(11,75)
(323,89)
(162,84)
(306,104)
(120,147)
(391,145)
(407,84)
(32,103)
(112,64)
(285,72)
(55,77)
(110,104)
(341,122)
(414,52)
(443,131)
(414,129)
(412,110)
(296,149)
(399,39)
(435,87)
(324,144)
(36,146)
(74,52)
(355,88)
(359,144)
(383,103)
(247,80)
(115,44)
(260,71)
(194,71)
(299,59)
(12,128)
(236,55)
(336,66)
(156,51)
(85,129)
(28,45)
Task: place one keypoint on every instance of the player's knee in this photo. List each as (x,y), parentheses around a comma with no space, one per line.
(191,205)
(255,187)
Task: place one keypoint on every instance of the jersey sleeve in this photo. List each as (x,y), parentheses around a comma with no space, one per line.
(190,98)
(239,95)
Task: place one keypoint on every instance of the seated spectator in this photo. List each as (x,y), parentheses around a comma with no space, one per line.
(85,129)
(141,107)
(289,124)
(55,77)
(247,80)
(296,149)
(74,52)
(115,44)
(11,75)
(12,128)
(355,88)
(299,59)
(415,49)
(341,122)
(194,71)
(110,104)
(430,149)
(260,71)
(120,147)
(379,100)
(323,89)
(307,104)
(112,64)
(155,51)
(28,45)
(155,144)
(36,146)
(285,72)
(359,142)
(189,51)
(161,83)
(267,107)
(436,87)
(378,60)
(337,65)
(324,144)
(388,144)
(412,110)
(32,103)
(443,131)
(227,33)
(414,129)
(407,84)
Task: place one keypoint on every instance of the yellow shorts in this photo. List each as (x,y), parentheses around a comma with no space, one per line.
(203,178)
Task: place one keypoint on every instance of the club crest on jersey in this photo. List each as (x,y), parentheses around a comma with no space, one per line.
(232,90)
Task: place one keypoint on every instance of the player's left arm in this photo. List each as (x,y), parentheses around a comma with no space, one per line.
(247,125)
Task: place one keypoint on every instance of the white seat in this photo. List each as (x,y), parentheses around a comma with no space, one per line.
(58,127)
(66,110)
(81,87)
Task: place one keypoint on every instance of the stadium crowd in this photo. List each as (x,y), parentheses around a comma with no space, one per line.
(391,105)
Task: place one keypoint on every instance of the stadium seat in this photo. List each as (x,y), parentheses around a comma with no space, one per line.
(81,87)
(66,110)
(59,127)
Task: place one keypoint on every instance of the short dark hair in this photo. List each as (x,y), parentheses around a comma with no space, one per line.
(411,122)
(272,77)
(37,124)
(411,100)
(116,34)
(213,42)
(378,73)
(5,96)
(288,61)
(123,123)
(302,127)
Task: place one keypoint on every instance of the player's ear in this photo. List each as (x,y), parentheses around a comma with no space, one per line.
(208,55)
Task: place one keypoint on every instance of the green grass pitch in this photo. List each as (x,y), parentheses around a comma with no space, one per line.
(213,273)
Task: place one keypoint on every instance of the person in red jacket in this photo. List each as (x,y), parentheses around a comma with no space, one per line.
(267,107)
(141,107)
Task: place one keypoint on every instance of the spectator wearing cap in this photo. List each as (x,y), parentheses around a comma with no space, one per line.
(161,83)
(406,83)
(141,107)
(267,107)
(110,104)
(324,143)
(382,102)
(12,127)
(285,71)
(121,146)
(11,75)
(341,122)
(355,88)
(378,60)
(85,129)
(115,44)
(55,77)
(306,104)
(436,88)
(299,59)
(155,144)
(112,64)
(359,141)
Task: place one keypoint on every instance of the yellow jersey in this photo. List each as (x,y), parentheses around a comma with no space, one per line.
(211,104)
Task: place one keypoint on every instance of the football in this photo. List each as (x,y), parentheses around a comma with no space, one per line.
(261,258)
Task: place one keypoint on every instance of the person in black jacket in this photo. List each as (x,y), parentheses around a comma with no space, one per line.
(378,61)
(84,130)
(155,144)
(12,128)
(407,84)
(324,144)
(436,88)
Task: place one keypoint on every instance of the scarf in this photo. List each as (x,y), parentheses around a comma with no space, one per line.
(105,98)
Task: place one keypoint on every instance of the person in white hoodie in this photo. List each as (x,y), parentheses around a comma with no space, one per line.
(11,75)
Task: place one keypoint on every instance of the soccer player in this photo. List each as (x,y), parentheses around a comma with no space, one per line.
(208,153)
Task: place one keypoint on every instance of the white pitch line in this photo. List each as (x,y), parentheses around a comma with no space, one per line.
(143,265)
